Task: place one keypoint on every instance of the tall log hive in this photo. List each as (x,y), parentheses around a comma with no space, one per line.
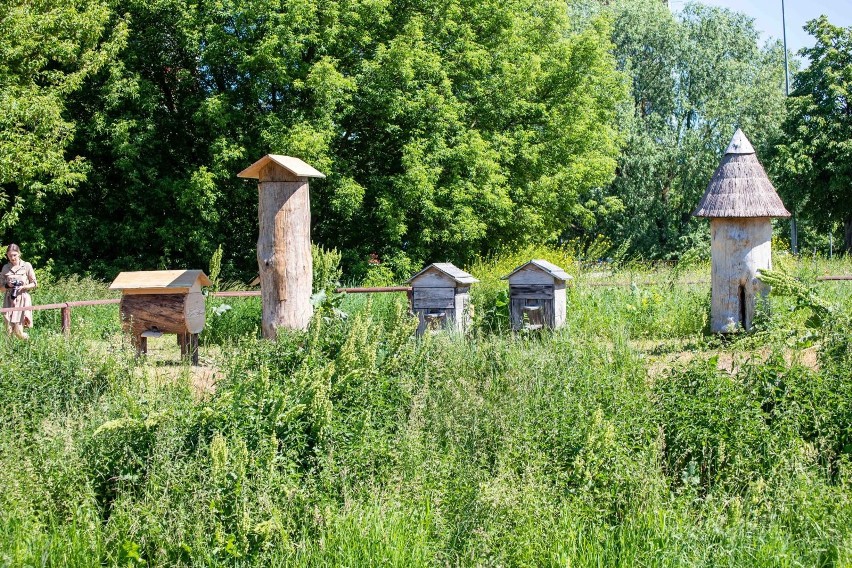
(740,202)
(284,259)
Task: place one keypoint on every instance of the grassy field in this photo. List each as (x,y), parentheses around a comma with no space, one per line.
(631,437)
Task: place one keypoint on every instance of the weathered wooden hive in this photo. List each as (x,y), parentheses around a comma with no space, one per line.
(440,297)
(740,202)
(537,295)
(284,240)
(163,301)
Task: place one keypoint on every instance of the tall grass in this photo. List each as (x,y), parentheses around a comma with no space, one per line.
(355,444)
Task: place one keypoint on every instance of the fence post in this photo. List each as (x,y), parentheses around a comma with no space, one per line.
(66,320)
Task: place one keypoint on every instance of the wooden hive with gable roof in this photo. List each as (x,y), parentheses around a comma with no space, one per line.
(740,202)
(440,297)
(163,301)
(537,295)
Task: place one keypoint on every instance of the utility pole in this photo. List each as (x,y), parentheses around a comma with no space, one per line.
(794,230)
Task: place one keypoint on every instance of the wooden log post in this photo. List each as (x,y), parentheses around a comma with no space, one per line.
(188,343)
(284,241)
(740,248)
(284,250)
(193,348)
(66,321)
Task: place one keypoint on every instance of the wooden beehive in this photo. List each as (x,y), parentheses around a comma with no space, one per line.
(440,297)
(163,301)
(284,241)
(537,295)
(740,202)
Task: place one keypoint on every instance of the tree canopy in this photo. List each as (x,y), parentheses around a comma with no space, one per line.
(696,77)
(48,49)
(447,129)
(814,159)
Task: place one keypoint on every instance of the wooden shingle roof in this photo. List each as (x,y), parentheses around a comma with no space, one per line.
(548,267)
(293,165)
(451,270)
(168,281)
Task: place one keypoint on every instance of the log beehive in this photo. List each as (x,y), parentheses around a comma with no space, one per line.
(284,241)
(740,202)
(163,301)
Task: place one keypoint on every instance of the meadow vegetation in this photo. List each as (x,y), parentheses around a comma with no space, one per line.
(630,437)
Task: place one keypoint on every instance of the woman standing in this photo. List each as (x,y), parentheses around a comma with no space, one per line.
(18,279)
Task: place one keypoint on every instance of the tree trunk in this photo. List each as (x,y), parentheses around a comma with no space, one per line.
(740,247)
(847,235)
(284,251)
(168,313)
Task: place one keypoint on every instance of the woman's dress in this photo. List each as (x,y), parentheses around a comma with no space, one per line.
(25,274)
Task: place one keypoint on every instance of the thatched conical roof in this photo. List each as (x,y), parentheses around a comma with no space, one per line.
(740,187)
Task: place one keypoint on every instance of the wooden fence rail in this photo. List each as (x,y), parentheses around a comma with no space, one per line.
(589,284)
(368,290)
(66,306)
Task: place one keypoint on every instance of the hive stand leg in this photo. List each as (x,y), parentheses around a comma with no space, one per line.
(182,343)
(142,346)
(194,348)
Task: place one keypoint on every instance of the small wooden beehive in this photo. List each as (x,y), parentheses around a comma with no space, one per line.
(440,297)
(537,291)
(163,301)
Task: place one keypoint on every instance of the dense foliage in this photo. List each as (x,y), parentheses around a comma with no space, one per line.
(48,50)
(448,128)
(696,78)
(628,438)
(815,156)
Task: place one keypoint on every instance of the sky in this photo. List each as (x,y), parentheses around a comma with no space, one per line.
(767,16)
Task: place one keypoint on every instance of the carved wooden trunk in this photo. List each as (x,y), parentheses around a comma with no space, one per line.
(166,313)
(284,241)
(740,249)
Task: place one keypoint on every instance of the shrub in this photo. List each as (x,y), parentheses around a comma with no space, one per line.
(714,432)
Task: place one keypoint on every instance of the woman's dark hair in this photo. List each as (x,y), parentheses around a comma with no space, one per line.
(13,248)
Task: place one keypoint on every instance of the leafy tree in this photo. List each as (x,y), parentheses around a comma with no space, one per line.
(446,129)
(695,77)
(815,154)
(479,125)
(47,50)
